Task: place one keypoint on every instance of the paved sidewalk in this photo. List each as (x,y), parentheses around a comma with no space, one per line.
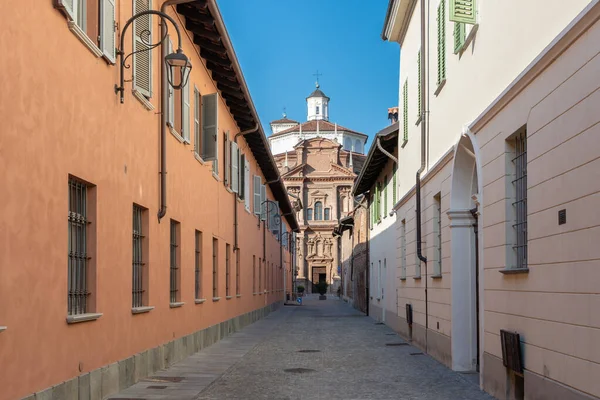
(347,358)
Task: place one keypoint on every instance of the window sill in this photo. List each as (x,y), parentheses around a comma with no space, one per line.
(176,134)
(403,279)
(228,297)
(3,328)
(436,276)
(404,142)
(199,159)
(514,271)
(74,319)
(229,190)
(176,305)
(238,295)
(141,310)
(216,176)
(199,301)
(83,38)
(216,298)
(142,99)
(417,278)
(440,87)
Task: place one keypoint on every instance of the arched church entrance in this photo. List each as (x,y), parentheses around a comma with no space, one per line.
(464,228)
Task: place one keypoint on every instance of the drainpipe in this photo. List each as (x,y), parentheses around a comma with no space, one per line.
(424,120)
(235,205)
(164,99)
(380,147)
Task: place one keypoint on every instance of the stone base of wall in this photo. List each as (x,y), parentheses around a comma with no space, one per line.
(498,382)
(438,346)
(115,377)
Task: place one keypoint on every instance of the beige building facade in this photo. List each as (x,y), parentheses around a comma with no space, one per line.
(505,127)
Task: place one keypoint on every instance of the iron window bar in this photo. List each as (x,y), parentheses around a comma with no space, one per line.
(78,260)
(138,258)
(520,203)
(197,261)
(174,269)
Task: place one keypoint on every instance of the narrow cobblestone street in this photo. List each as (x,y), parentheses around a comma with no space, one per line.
(321,350)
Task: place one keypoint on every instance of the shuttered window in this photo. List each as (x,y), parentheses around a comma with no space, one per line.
(385,196)
(197,108)
(235,168)
(209,129)
(227,159)
(459,36)
(257,194)
(170,94)
(242,193)
(463,11)
(142,57)
(419,100)
(107,29)
(185,112)
(394,183)
(263,197)
(405,110)
(246,184)
(441,42)
(403,250)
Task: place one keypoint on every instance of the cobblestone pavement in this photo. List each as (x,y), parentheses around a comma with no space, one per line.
(347,359)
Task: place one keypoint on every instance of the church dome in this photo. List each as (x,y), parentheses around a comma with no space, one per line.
(317,93)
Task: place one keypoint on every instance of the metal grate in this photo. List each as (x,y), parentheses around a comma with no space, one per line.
(562,217)
(174,262)
(237,272)
(215,266)
(520,204)
(77,262)
(198,265)
(409,314)
(138,258)
(511,350)
(227,269)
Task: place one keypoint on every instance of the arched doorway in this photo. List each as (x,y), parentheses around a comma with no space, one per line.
(464,228)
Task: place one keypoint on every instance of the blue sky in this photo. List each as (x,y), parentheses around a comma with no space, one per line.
(280,44)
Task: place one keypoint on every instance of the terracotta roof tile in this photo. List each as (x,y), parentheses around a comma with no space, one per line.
(284,121)
(311,126)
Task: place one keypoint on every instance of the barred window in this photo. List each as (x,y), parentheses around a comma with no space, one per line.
(237,272)
(78,292)
(227,269)
(138,258)
(437,229)
(215,267)
(259,274)
(520,203)
(174,250)
(402,250)
(198,265)
(254,274)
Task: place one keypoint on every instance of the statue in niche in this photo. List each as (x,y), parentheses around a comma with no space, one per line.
(328,245)
(311,246)
(320,247)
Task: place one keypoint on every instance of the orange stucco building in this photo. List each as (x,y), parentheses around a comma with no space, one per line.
(96,291)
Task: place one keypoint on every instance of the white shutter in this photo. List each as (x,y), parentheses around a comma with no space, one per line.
(235,168)
(197,100)
(142,58)
(256,186)
(209,127)
(69,7)
(274,211)
(171,93)
(263,197)
(185,112)
(247,185)
(107,29)
(227,164)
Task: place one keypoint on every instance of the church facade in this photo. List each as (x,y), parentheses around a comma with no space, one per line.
(318,161)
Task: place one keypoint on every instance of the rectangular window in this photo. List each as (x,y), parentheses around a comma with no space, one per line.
(139,248)
(327,214)
(197,110)
(417,263)
(441,42)
(246,184)
(254,274)
(227,159)
(215,267)
(227,269)
(209,141)
(198,265)
(259,275)
(235,168)
(437,234)
(256,186)
(385,196)
(175,257)
(185,112)
(80,275)
(405,110)
(142,56)
(317,110)
(237,272)
(378,204)
(520,203)
(394,187)
(170,93)
(309,214)
(403,250)
(242,177)
(263,204)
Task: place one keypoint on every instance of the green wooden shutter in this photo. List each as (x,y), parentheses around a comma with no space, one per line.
(394,189)
(463,11)
(441,48)
(419,100)
(459,36)
(405,109)
(385,196)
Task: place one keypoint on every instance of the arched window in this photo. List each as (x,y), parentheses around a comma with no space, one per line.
(318,211)
(358,146)
(347,144)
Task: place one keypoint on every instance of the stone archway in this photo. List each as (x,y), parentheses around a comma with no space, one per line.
(464,228)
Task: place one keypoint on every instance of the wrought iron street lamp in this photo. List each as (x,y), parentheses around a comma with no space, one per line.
(177,63)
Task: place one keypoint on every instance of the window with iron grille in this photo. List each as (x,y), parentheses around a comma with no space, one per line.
(259,274)
(198,265)
(237,272)
(437,231)
(215,267)
(520,203)
(174,256)
(253,274)
(227,269)
(78,271)
(403,250)
(139,281)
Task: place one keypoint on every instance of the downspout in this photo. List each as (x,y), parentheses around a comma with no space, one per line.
(380,147)
(164,100)
(424,120)
(235,205)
